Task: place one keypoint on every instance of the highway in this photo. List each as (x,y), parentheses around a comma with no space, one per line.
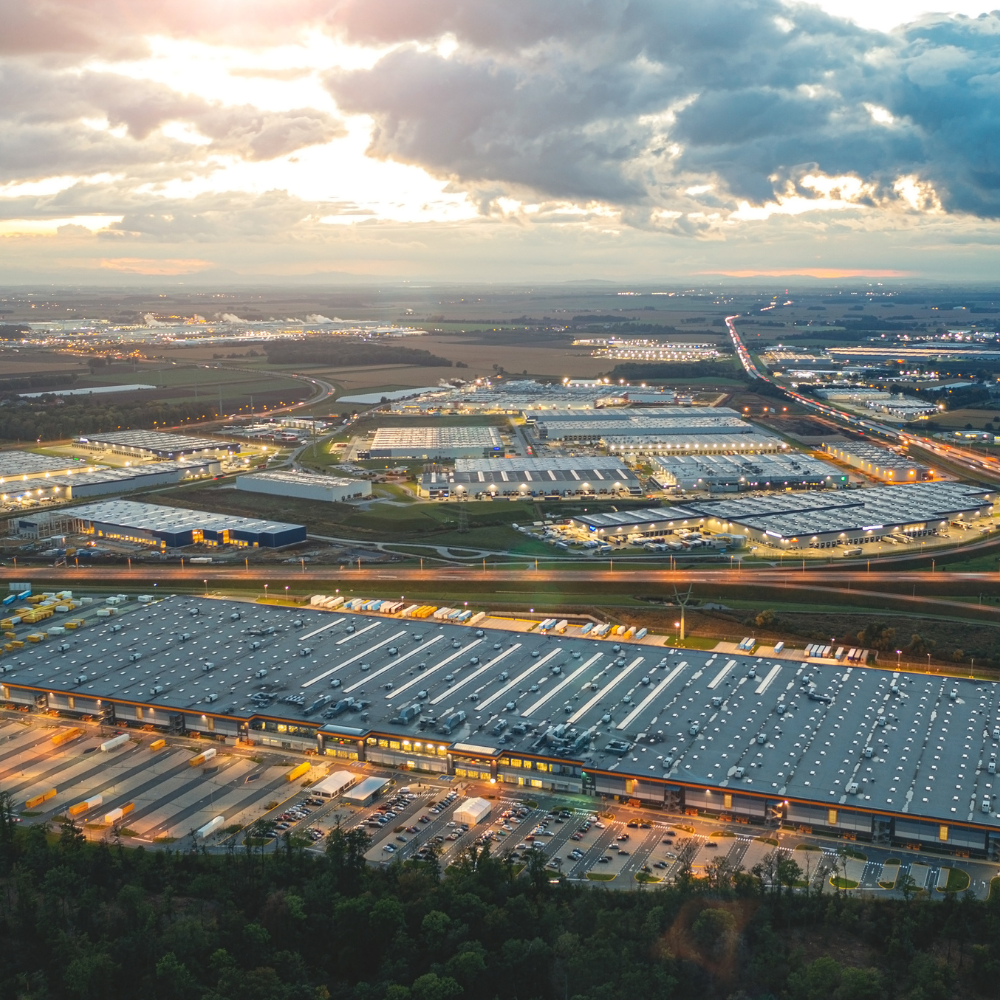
(914,592)
(984,467)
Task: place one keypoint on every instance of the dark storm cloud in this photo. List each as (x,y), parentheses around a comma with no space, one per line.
(623,102)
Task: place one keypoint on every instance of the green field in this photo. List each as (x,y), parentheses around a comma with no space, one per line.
(488,521)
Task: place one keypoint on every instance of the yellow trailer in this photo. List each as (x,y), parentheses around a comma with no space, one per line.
(157,744)
(86,805)
(298,772)
(37,800)
(65,735)
(201,758)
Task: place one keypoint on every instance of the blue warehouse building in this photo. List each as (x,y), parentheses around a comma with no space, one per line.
(175,527)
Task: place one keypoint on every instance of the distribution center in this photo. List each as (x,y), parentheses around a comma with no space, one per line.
(837,748)
(878,462)
(435,442)
(154,444)
(554,475)
(807,520)
(733,473)
(175,527)
(304,485)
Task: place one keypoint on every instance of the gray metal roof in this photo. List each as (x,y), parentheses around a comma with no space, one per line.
(158,441)
(813,513)
(155,517)
(684,715)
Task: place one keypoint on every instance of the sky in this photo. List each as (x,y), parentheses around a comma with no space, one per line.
(208,141)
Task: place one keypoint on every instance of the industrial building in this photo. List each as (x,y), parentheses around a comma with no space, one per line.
(555,475)
(155,444)
(651,522)
(879,462)
(734,473)
(890,757)
(516,396)
(304,485)
(757,443)
(23,466)
(625,423)
(825,520)
(78,484)
(175,527)
(431,443)
(806,520)
(901,408)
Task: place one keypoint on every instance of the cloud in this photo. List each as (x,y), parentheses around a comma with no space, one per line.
(120,28)
(163,266)
(81,123)
(633,103)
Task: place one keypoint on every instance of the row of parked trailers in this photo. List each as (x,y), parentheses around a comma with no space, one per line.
(462,616)
(842,655)
(597,631)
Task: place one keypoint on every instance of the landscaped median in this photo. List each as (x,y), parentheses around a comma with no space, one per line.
(890,873)
(953,880)
(849,871)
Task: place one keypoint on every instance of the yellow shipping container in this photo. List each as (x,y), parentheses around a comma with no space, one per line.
(297,772)
(17,644)
(65,735)
(37,800)
(157,744)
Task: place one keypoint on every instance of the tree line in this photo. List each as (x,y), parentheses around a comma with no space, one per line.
(344,352)
(35,419)
(82,921)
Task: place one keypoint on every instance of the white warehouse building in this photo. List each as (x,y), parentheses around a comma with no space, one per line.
(304,485)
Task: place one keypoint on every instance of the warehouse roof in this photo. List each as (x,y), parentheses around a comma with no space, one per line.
(754,468)
(906,502)
(153,517)
(296,478)
(27,463)
(159,442)
(539,464)
(625,519)
(796,729)
(675,441)
(428,438)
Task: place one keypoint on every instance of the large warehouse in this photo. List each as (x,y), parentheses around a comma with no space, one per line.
(837,749)
(734,473)
(175,527)
(809,519)
(879,462)
(304,485)
(554,475)
(78,484)
(27,465)
(824,520)
(628,423)
(435,442)
(757,443)
(155,444)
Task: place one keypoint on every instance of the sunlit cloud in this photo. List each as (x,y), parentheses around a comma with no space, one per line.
(163,267)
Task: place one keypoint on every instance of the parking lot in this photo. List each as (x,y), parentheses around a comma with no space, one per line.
(183,791)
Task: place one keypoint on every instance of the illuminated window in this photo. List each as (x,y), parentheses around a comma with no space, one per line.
(831,817)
